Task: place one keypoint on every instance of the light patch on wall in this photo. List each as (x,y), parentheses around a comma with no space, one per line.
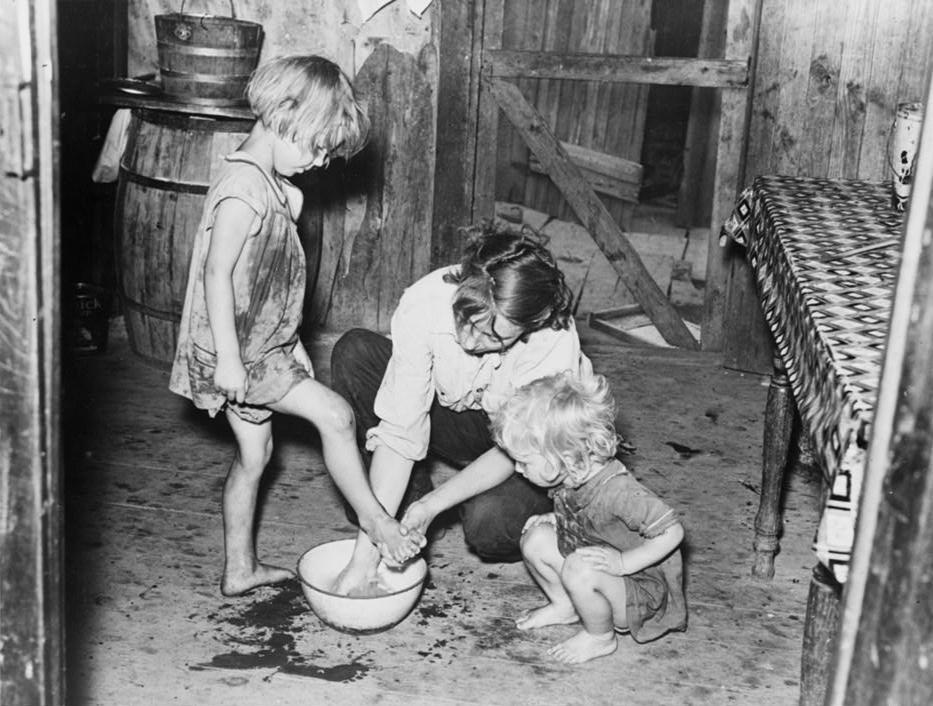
(368,8)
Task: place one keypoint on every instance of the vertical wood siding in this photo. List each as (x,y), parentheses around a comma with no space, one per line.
(606,117)
(829,77)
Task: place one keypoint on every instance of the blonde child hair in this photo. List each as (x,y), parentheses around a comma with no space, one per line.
(310,101)
(239,349)
(568,419)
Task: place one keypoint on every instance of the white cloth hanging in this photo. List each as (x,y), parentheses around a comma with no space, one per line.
(107,167)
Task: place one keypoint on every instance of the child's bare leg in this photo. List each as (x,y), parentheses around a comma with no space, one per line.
(544,561)
(599,600)
(333,418)
(360,571)
(242,569)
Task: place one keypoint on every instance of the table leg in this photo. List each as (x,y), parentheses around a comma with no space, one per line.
(779,422)
(819,636)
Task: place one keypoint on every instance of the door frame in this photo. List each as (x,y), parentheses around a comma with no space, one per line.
(31,557)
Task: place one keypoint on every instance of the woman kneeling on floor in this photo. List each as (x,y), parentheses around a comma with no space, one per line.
(463,338)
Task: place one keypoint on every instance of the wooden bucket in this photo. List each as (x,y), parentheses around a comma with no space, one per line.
(207,59)
(165,173)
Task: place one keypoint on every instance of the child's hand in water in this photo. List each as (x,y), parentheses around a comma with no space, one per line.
(606,559)
(230,378)
(397,544)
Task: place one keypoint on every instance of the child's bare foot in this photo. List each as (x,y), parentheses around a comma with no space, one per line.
(238,582)
(547,614)
(583,647)
(356,579)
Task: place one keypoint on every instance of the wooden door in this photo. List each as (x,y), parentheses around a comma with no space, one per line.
(30,500)
(487,84)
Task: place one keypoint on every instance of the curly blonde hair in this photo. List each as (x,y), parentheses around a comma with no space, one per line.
(309,100)
(568,419)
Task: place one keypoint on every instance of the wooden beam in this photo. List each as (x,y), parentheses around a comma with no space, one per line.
(710,73)
(458,82)
(591,212)
(607,174)
(489,14)
(695,194)
(742,23)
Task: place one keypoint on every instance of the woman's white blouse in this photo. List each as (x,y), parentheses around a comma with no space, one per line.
(427,361)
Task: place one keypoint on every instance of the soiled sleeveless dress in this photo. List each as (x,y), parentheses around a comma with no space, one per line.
(613,509)
(269,287)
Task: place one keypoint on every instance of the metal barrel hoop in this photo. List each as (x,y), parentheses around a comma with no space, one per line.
(206,58)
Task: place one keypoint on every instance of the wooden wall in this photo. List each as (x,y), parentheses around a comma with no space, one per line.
(607,118)
(371,224)
(829,75)
(31,547)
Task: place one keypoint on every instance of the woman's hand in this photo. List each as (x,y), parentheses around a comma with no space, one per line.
(606,559)
(396,543)
(230,378)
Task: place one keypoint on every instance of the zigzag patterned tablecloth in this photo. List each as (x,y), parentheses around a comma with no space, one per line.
(828,313)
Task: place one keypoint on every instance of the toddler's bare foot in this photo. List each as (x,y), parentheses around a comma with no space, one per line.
(238,582)
(583,647)
(547,614)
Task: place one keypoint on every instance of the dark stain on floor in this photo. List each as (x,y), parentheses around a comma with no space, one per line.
(353,671)
(684,451)
(269,626)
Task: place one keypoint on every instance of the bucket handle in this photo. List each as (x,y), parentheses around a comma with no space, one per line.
(232,10)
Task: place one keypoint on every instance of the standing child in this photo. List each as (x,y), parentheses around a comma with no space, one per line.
(238,348)
(609,553)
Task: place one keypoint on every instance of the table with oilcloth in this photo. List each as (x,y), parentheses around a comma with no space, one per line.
(825,255)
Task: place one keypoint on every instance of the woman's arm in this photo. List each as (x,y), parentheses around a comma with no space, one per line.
(232,225)
(487,471)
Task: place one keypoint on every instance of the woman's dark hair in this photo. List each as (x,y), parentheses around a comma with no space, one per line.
(513,276)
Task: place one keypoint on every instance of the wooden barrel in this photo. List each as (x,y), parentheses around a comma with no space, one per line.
(206,59)
(165,173)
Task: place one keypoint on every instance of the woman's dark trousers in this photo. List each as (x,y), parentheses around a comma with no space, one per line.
(492,520)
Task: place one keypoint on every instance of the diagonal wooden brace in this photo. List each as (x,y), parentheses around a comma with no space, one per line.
(591,212)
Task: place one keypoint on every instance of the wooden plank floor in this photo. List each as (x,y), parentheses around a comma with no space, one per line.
(147,624)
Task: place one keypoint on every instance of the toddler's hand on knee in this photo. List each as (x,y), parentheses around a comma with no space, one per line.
(605,559)
(546,519)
